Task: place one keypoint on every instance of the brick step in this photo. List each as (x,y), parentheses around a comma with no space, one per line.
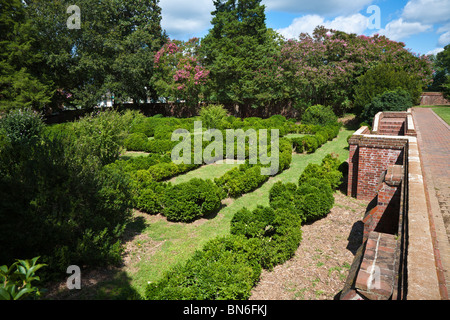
(391,125)
(391,122)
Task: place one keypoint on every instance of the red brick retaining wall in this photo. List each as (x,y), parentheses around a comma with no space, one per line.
(432,99)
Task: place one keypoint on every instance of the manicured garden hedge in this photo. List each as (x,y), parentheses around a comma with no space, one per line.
(311,143)
(228,267)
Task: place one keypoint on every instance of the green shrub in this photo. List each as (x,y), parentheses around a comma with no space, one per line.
(16,280)
(57,189)
(395,100)
(212,116)
(136,142)
(319,115)
(150,199)
(285,155)
(253,223)
(225,269)
(159,146)
(22,127)
(240,180)
(279,232)
(315,199)
(191,200)
(297,144)
(285,238)
(312,170)
(310,143)
(381,78)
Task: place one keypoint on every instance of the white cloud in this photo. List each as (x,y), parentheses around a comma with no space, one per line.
(356,23)
(321,7)
(400,29)
(444,39)
(427,11)
(182,19)
(435,51)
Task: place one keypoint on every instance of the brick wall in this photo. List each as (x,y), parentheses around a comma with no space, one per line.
(369,158)
(384,217)
(433,98)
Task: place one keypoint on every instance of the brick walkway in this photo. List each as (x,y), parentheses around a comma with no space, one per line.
(433,136)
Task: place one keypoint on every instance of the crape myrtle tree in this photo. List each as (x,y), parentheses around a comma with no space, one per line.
(111,53)
(324,68)
(178,72)
(237,45)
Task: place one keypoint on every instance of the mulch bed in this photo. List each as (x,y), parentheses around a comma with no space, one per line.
(320,266)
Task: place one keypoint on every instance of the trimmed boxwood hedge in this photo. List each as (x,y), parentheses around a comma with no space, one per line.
(225,269)
(228,267)
(191,200)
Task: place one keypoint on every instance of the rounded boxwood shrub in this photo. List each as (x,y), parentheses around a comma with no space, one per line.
(136,142)
(315,199)
(149,201)
(252,223)
(310,143)
(332,176)
(191,200)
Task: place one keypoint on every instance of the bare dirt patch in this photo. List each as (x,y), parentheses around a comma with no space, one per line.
(320,266)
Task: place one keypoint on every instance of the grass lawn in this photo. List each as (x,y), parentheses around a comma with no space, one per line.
(443,112)
(155,245)
(211,171)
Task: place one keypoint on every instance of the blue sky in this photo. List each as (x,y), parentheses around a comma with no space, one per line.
(423,25)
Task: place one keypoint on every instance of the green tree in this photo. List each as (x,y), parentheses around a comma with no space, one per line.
(110,54)
(385,77)
(441,78)
(235,48)
(20,82)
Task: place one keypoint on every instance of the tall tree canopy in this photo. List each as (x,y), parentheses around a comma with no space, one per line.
(235,47)
(20,82)
(112,51)
(441,75)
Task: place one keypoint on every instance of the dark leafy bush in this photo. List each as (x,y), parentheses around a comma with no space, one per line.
(22,127)
(191,200)
(395,100)
(297,144)
(319,115)
(283,195)
(279,232)
(62,203)
(149,199)
(381,78)
(212,116)
(160,146)
(310,143)
(285,239)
